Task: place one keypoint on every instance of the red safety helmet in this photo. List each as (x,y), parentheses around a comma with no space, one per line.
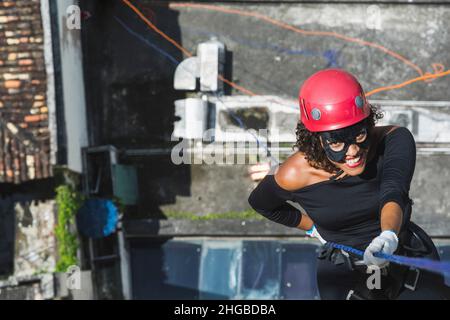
(332,99)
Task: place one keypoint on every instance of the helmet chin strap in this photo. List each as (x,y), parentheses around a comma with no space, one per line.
(337,174)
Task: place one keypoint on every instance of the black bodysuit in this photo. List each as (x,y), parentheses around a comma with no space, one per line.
(347,211)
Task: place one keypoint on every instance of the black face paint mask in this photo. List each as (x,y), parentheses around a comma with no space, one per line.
(346,136)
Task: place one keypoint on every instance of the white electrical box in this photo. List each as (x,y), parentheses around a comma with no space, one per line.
(211,56)
(193,114)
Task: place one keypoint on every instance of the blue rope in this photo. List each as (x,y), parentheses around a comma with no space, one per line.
(419,263)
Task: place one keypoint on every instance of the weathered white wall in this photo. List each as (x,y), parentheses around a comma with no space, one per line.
(73,87)
(35,243)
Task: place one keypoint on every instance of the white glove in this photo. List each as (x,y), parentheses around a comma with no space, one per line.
(313,233)
(386,242)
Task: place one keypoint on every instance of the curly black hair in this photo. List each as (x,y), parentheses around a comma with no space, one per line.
(309,143)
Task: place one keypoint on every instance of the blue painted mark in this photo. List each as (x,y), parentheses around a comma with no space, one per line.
(330,55)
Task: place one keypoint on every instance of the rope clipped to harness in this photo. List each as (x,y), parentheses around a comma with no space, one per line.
(420,263)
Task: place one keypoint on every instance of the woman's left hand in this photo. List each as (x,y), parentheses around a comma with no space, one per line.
(386,242)
(313,233)
(257,172)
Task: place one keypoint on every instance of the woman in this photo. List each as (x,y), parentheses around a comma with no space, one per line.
(352,179)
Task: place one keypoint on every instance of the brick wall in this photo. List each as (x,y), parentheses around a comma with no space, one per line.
(24,133)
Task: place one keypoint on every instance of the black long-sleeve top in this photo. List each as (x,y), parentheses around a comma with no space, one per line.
(347,210)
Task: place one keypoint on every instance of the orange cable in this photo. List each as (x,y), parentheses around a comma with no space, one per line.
(403,84)
(151,25)
(249,92)
(181,48)
(298,30)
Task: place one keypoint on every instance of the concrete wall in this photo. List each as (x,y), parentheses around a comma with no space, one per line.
(382,44)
